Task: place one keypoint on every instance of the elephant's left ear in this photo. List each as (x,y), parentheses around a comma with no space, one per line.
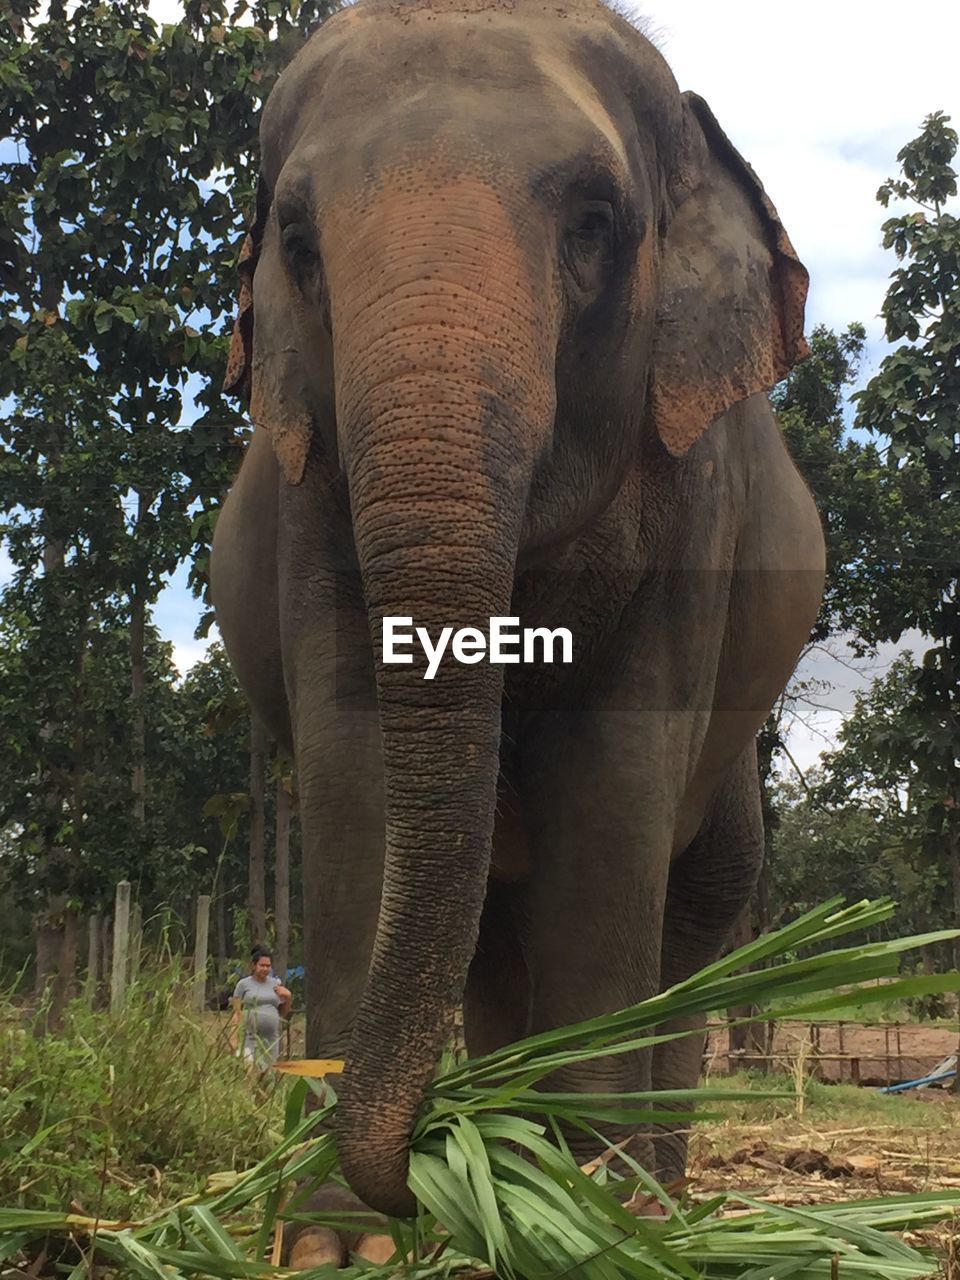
(730,317)
(237,378)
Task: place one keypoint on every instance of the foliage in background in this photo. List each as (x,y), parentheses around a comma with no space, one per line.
(886,816)
(900,752)
(128,154)
(122,1115)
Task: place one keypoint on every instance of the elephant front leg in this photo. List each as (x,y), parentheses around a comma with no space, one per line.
(340,768)
(710,884)
(601,824)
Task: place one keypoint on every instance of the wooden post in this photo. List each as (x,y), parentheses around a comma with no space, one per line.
(199,991)
(93,960)
(886,1054)
(136,938)
(121,947)
(816,1066)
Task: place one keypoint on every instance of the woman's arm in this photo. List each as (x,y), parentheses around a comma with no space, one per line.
(285,996)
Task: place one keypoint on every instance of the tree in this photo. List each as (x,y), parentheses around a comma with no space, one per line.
(914,402)
(281,863)
(118,245)
(872,773)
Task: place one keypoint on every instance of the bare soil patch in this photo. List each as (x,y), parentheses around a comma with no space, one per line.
(812,1159)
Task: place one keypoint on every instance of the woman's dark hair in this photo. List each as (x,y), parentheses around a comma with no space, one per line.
(260,952)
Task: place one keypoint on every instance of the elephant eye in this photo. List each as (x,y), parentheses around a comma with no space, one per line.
(299,250)
(595,226)
(588,244)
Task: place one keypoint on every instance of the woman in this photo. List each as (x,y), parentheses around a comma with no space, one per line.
(259,1001)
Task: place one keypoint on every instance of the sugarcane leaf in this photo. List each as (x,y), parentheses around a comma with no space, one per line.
(433,1183)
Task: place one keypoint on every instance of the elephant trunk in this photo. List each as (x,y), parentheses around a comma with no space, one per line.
(442,409)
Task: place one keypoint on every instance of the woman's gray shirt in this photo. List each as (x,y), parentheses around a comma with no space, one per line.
(260,1016)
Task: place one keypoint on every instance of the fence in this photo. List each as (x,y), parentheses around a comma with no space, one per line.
(114,946)
(837,1051)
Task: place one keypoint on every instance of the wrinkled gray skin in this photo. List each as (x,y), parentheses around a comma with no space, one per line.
(516,305)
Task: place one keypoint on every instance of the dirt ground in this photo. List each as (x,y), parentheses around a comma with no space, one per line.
(842,1146)
(803,1160)
(849,1052)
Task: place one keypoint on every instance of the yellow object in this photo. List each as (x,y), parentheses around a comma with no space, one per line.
(314,1067)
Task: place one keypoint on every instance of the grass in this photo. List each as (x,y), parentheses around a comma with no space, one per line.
(826,1103)
(120,1116)
(510,1196)
(884,1011)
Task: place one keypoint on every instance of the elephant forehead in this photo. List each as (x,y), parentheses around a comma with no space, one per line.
(564,77)
(379,74)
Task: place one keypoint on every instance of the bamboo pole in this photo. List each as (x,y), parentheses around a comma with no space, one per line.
(121,947)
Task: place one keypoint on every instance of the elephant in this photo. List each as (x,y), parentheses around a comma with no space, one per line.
(511,306)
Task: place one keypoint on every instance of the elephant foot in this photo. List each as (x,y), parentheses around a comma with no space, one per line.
(671,1156)
(306,1246)
(317,1246)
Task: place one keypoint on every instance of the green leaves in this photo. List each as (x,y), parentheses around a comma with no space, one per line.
(118,246)
(921,302)
(900,750)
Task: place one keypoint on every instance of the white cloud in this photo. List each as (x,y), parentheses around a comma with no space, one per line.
(823,710)
(186,653)
(819,98)
(176,614)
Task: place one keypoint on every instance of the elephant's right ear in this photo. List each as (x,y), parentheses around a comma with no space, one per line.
(236,380)
(732,292)
(259,363)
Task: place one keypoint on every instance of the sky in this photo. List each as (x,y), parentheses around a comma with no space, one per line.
(819,98)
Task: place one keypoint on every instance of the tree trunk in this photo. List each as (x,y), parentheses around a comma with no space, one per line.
(138,683)
(201,948)
(46,941)
(106,958)
(48,929)
(93,960)
(281,873)
(256,891)
(63,983)
(221,917)
(138,677)
(954,845)
(750,1038)
(136,941)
